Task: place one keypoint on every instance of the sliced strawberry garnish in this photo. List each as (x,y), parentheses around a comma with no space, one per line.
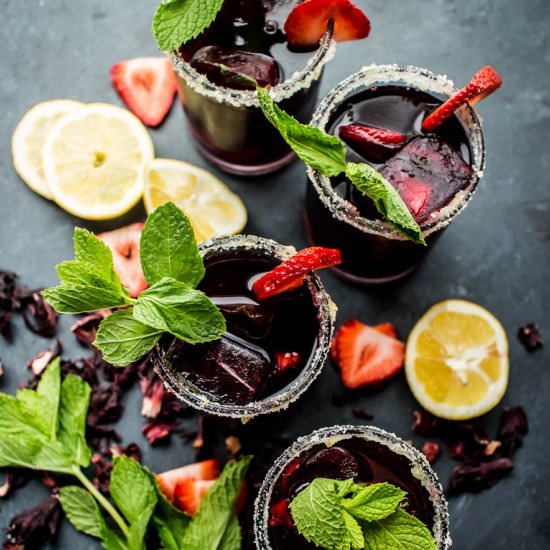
(286,360)
(124,244)
(205,471)
(484,83)
(290,274)
(386,328)
(189,493)
(366,355)
(308,21)
(376,144)
(279,515)
(147,85)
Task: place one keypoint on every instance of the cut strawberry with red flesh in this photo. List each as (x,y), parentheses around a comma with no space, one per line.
(386,328)
(287,360)
(290,274)
(206,470)
(147,85)
(124,245)
(366,355)
(483,84)
(308,21)
(375,144)
(189,493)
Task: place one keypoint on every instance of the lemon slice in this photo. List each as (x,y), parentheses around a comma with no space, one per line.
(94,159)
(28,140)
(457,360)
(213,209)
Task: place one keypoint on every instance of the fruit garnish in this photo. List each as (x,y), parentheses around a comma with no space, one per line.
(147,85)
(28,140)
(376,144)
(206,470)
(386,328)
(457,360)
(212,208)
(287,360)
(279,514)
(189,493)
(290,274)
(308,21)
(97,174)
(366,355)
(483,84)
(124,245)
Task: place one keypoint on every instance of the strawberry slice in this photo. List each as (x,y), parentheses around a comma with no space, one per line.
(290,274)
(386,328)
(376,144)
(207,470)
(366,355)
(147,85)
(124,244)
(483,84)
(308,21)
(189,493)
(287,360)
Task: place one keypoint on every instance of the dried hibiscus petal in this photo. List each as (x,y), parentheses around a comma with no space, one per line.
(7,290)
(131,450)
(158,432)
(81,367)
(42,359)
(13,479)
(31,528)
(103,470)
(424,423)
(40,316)
(477,476)
(513,427)
(85,329)
(431,450)
(361,413)
(530,336)
(153,394)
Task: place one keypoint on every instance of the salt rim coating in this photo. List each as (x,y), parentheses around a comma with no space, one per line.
(243,98)
(326,314)
(420,470)
(425,81)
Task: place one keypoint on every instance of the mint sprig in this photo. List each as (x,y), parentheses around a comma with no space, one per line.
(327,155)
(172,265)
(178,21)
(344,515)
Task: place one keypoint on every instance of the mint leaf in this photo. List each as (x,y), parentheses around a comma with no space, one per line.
(81,299)
(214,526)
(354,531)
(168,247)
(175,307)
(324,153)
(400,531)
(374,502)
(123,339)
(82,510)
(386,199)
(178,21)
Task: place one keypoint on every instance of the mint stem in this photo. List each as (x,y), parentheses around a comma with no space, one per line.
(109,508)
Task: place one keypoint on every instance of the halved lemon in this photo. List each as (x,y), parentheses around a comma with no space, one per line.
(213,209)
(28,140)
(94,160)
(457,360)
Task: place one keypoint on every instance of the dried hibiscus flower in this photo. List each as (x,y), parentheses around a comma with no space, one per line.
(530,336)
(158,431)
(42,359)
(7,290)
(13,479)
(153,394)
(477,476)
(85,329)
(431,450)
(361,413)
(513,427)
(39,316)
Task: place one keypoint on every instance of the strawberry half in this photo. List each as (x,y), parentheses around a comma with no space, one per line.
(366,355)
(207,470)
(290,274)
(124,244)
(376,144)
(483,84)
(287,360)
(308,21)
(189,493)
(147,85)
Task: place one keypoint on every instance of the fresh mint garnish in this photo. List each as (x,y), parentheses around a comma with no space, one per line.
(327,155)
(172,265)
(344,515)
(178,21)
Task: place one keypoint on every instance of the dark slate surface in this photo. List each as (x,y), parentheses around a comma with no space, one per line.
(495,254)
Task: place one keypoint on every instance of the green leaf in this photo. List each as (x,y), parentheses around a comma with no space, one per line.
(324,153)
(168,247)
(73,408)
(178,21)
(122,339)
(82,299)
(374,502)
(48,392)
(400,531)
(174,307)
(386,199)
(354,532)
(82,510)
(214,527)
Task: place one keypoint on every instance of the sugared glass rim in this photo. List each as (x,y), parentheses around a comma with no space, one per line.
(199,399)
(425,81)
(421,470)
(300,80)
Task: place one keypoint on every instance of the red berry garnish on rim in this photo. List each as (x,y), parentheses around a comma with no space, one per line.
(483,84)
(290,274)
(147,85)
(375,143)
(308,21)
(287,360)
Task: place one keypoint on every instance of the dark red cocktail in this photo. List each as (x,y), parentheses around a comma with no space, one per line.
(435,174)
(272,350)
